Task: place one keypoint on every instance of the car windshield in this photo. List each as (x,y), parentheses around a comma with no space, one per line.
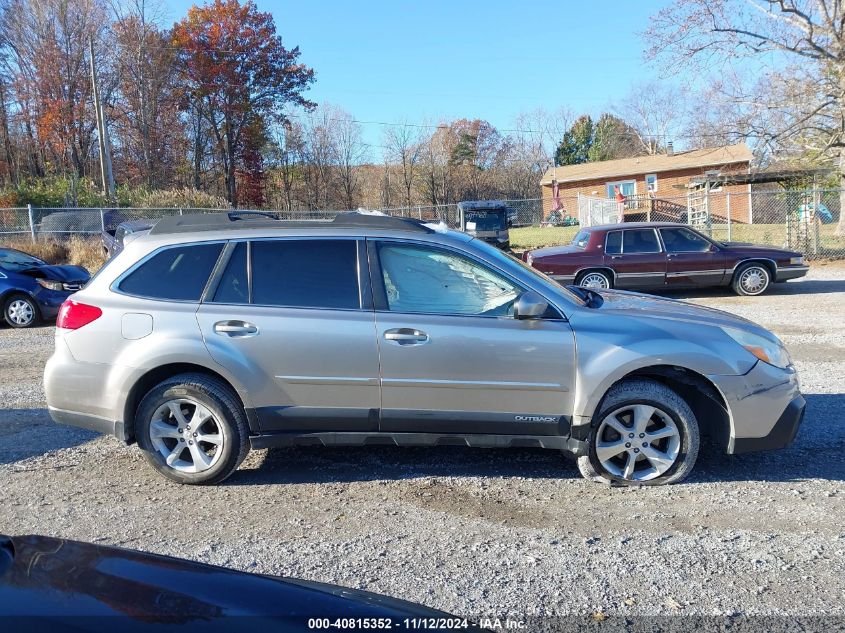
(506,258)
(581,239)
(13,260)
(485,220)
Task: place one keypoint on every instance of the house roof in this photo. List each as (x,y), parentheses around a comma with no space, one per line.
(711,157)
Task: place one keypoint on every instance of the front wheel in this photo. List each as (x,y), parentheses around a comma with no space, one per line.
(20,311)
(597,279)
(644,434)
(751,280)
(192,429)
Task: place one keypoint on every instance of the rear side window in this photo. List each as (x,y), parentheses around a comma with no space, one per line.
(640,241)
(581,239)
(614,243)
(178,273)
(305,274)
(234,285)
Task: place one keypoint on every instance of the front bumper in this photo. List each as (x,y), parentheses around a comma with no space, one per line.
(781,435)
(765,407)
(49,301)
(791,272)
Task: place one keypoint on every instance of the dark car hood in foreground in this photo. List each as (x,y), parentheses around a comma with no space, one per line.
(71,585)
(57,273)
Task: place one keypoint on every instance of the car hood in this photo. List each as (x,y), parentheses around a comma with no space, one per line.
(57,273)
(61,578)
(756,249)
(647,306)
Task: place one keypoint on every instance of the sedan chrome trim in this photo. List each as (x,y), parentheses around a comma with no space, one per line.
(693,273)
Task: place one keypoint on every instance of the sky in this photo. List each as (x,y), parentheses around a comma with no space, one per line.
(434,60)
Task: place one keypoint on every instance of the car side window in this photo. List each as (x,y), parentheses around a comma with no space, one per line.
(435,281)
(683,241)
(308,273)
(234,284)
(179,273)
(640,241)
(613,244)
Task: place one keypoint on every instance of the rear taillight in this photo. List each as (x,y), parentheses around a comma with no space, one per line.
(73,315)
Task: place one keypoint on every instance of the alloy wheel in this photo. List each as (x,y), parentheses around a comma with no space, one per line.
(20,312)
(187,435)
(637,442)
(754,280)
(594,280)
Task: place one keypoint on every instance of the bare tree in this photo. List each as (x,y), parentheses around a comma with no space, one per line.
(403,147)
(349,152)
(794,48)
(656,113)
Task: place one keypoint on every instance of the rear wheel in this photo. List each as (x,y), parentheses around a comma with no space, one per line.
(20,311)
(598,279)
(645,434)
(192,429)
(751,279)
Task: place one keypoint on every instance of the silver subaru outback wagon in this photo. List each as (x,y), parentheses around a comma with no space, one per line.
(217,333)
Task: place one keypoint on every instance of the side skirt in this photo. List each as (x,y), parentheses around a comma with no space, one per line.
(577,447)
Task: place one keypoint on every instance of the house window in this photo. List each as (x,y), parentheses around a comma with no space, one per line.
(651,183)
(627,187)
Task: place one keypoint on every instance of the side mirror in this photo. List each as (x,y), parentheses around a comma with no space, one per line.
(530,305)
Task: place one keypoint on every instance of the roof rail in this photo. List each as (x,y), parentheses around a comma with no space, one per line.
(269,220)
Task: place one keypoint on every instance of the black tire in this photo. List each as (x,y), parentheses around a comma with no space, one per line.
(588,274)
(228,423)
(747,273)
(10,302)
(654,394)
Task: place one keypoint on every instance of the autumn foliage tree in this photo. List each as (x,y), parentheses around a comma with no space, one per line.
(239,74)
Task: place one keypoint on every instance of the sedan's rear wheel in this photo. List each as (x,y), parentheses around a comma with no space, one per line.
(645,434)
(192,429)
(20,311)
(596,279)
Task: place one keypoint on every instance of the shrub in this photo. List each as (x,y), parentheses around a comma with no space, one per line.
(182,199)
(86,252)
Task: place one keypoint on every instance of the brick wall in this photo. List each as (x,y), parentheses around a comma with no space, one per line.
(671,186)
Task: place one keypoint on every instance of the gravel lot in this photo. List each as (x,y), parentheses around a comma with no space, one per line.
(474,532)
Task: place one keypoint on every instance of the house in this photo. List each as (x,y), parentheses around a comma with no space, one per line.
(663,184)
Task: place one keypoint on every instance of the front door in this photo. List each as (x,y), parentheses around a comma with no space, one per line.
(454,359)
(289,318)
(692,260)
(637,260)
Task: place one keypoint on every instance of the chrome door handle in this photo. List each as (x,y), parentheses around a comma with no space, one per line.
(406,336)
(235,328)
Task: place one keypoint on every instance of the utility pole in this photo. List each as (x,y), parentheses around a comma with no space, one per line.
(102,131)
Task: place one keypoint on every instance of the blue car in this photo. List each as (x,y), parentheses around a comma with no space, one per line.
(32,290)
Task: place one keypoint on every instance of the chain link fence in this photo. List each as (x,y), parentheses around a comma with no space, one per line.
(805,220)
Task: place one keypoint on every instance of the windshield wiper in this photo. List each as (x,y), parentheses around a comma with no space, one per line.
(590,297)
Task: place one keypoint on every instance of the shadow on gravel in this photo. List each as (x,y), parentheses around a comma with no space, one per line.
(26,433)
(373,463)
(810,286)
(817,453)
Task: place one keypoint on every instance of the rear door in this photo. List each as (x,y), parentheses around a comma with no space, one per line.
(636,257)
(692,260)
(292,318)
(453,358)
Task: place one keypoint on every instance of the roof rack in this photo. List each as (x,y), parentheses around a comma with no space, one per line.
(268,220)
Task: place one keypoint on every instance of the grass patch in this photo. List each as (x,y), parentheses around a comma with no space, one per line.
(78,251)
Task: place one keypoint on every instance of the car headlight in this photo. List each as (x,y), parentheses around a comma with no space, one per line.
(771,352)
(49,284)
(796,261)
